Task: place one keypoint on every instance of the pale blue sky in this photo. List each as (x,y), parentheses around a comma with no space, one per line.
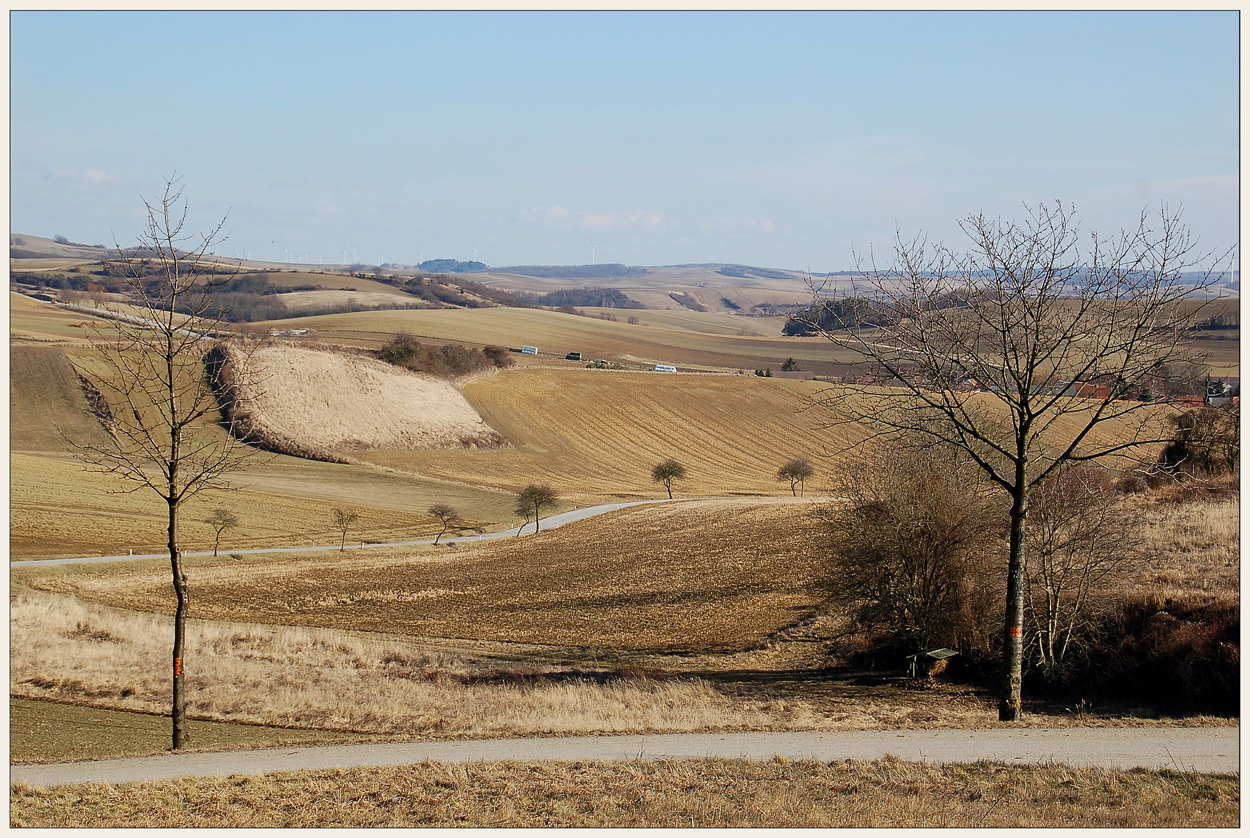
(781,140)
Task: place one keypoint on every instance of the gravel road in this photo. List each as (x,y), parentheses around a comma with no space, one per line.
(550,522)
(1214,749)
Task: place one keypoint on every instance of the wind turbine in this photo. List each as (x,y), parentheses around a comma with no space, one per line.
(592,253)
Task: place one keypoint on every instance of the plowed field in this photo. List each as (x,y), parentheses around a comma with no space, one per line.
(596,433)
(716,576)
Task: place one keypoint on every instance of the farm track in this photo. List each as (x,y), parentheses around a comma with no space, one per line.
(1182,749)
(550,523)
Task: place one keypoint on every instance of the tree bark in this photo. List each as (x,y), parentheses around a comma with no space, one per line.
(178,712)
(1013,624)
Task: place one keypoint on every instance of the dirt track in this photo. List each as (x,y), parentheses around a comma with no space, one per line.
(1181,749)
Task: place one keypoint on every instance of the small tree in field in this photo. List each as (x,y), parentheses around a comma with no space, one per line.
(531,500)
(797,472)
(666,472)
(220,520)
(1027,351)
(164,425)
(446,514)
(343,521)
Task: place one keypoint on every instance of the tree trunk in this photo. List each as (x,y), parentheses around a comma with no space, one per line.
(1013,629)
(178,712)
(669,486)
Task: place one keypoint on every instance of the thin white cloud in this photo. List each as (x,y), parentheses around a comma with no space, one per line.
(90,176)
(635,219)
(563,218)
(737,224)
(555,215)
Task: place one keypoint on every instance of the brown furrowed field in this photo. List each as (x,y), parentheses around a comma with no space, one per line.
(597,434)
(707,576)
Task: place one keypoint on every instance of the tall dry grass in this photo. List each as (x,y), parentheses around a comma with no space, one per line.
(69,650)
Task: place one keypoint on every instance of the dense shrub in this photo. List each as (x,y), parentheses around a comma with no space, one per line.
(449,361)
(1167,655)
(1207,442)
(913,552)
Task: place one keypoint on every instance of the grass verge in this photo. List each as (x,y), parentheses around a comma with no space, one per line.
(695,793)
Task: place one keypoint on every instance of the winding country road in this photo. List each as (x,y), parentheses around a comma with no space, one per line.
(551,522)
(1213,749)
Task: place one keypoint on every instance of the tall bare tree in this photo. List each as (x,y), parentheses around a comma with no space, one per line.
(343,520)
(220,520)
(166,429)
(1056,333)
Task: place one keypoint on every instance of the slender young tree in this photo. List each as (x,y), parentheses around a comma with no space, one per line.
(1027,351)
(446,515)
(220,520)
(796,471)
(343,521)
(531,501)
(164,426)
(666,472)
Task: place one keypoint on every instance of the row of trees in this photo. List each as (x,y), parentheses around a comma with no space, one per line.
(797,471)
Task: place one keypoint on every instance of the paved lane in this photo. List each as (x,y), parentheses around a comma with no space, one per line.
(1213,749)
(549,523)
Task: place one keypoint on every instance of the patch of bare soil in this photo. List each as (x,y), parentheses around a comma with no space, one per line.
(332,401)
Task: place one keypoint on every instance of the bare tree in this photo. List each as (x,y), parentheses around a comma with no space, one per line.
(1028,350)
(220,520)
(666,472)
(343,521)
(446,514)
(531,501)
(1077,537)
(165,422)
(796,471)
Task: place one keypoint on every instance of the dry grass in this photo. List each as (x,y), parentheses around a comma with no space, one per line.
(334,400)
(49,731)
(68,650)
(668,793)
(1191,550)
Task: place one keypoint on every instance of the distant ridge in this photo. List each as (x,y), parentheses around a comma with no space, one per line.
(606,271)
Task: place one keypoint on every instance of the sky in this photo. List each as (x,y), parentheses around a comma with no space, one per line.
(785,140)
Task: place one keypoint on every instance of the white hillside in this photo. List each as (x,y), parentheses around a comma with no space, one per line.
(337,401)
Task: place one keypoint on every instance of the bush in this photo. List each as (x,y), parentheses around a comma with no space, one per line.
(1167,655)
(912,552)
(1207,443)
(449,361)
